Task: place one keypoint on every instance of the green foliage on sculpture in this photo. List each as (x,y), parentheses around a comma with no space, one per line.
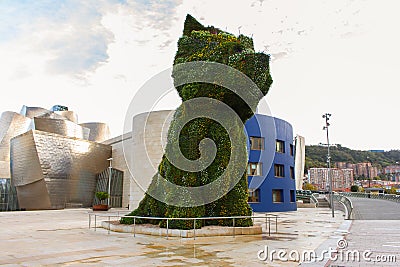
(200,43)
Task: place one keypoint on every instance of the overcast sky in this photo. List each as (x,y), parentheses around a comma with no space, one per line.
(338,56)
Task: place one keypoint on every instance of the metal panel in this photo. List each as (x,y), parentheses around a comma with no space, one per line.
(69,115)
(62,127)
(68,167)
(32,112)
(25,166)
(11,124)
(99,132)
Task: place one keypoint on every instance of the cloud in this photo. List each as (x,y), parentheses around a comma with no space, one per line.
(68,34)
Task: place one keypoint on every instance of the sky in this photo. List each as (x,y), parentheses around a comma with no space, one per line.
(340,57)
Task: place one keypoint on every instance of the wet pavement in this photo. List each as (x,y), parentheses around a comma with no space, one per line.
(62,237)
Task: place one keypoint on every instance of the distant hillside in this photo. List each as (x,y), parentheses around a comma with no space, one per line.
(316,156)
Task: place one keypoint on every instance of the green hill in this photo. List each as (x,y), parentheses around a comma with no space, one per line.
(316,156)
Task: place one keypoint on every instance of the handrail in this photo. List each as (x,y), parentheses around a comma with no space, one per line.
(346,202)
(389,197)
(267,218)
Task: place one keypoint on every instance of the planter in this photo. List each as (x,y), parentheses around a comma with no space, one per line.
(100,207)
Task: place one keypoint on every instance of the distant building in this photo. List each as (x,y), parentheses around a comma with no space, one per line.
(393,172)
(363,169)
(342,179)
(299,161)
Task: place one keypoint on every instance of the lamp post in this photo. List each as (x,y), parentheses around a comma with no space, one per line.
(326,116)
(368,172)
(109,181)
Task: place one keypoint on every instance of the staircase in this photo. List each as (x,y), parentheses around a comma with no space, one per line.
(323,203)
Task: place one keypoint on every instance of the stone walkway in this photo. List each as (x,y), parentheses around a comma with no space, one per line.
(62,237)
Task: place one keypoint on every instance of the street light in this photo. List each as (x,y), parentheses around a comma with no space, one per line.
(109,181)
(326,116)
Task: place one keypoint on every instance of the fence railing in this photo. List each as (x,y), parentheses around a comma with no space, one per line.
(311,197)
(390,197)
(268,219)
(345,201)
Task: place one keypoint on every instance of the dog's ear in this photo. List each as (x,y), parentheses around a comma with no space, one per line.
(191,24)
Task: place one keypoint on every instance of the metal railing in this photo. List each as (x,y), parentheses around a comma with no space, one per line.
(346,202)
(390,197)
(268,219)
(312,197)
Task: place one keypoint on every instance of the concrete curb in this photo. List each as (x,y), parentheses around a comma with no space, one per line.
(148,229)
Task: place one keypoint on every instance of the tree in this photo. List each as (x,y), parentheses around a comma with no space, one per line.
(308,186)
(102,196)
(354,188)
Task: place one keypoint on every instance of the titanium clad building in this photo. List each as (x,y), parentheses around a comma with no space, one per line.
(51,161)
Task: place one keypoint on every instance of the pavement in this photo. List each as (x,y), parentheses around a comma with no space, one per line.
(62,237)
(375,209)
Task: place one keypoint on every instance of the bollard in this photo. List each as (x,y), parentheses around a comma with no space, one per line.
(233,227)
(276,224)
(167,228)
(134,226)
(194,229)
(95,223)
(90,216)
(109,224)
(269,226)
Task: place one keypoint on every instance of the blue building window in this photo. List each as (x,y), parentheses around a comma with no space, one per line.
(280,146)
(277,195)
(291,172)
(256,143)
(254,169)
(279,170)
(254,195)
(292,196)
(291,150)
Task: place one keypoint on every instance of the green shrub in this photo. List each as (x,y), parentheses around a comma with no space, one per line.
(102,195)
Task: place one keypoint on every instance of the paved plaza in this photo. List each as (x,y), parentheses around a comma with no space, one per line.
(62,237)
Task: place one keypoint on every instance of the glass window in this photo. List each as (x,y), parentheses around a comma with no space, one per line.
(254,195)
(291,150)
(279,170)
(280,146)
(292,172)
(292,196)
(256,143)
(254,169)
(277,195)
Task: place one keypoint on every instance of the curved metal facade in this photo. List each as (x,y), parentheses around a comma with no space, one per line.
(11,124)
(49,158)
(277,192)
(51,171)
(68,114)
(62,127)
(98,132)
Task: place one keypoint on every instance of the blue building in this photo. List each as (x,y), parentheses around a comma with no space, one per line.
(271,164)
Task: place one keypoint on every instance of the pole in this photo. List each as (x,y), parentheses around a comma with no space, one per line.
(326,116)
(109,181)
